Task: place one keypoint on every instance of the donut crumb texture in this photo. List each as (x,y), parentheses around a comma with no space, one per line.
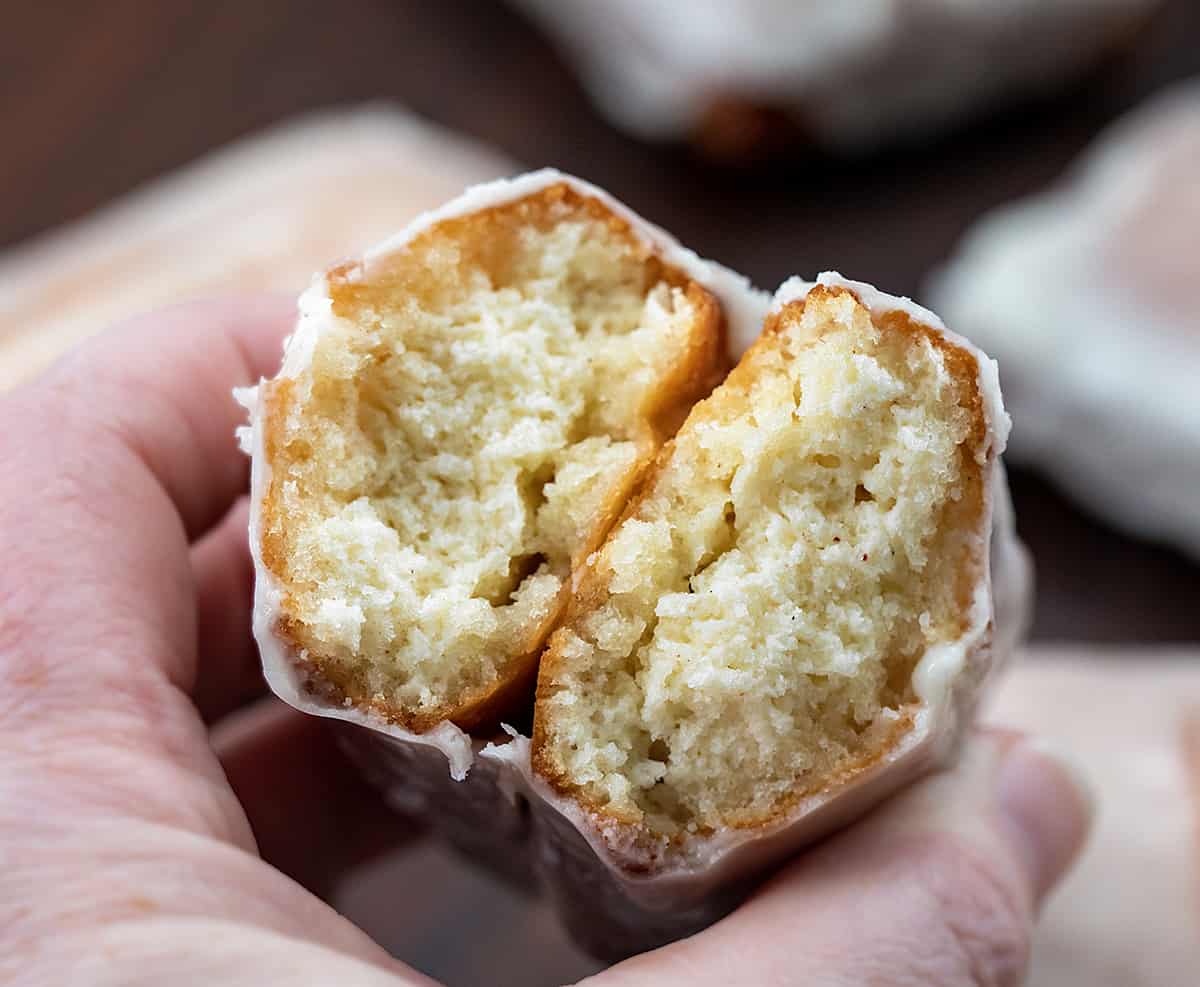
(468,428)
(747,634)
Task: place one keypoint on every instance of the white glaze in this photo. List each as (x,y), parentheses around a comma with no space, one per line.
(743,304)
(880,303)
(857,73)
(685,886)
(1099,367)
(941,666)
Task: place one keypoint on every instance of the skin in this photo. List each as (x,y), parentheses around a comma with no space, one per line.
(160,822)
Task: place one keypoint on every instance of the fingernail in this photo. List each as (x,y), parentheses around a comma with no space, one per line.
(1048,804)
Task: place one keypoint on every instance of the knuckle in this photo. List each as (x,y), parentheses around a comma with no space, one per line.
(983,915)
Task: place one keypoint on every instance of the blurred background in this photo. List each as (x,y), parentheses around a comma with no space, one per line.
(155,151)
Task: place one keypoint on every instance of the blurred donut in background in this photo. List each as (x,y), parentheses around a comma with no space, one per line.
(279,203)
(739,77)
(1089,297)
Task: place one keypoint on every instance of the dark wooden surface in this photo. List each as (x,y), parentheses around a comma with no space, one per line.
(96,98)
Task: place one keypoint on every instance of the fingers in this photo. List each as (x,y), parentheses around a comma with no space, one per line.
(112,460)
(161,385)
(228,673)
(149,952)
(1046,808)
(311,814)
(939,887)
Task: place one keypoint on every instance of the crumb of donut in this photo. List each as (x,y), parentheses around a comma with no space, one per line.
(748,632)
(463,437)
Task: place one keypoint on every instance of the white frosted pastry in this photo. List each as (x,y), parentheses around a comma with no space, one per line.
(482,789)
(1088,295)
(260,214)
(848,74)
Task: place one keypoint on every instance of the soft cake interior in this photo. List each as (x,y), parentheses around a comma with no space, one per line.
(464,436)
(748,633)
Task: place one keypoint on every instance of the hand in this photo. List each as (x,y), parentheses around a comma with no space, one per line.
(139,847)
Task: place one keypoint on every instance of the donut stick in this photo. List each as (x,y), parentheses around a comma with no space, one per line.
(631,875)
(795,594)
(460,418)
(857,417)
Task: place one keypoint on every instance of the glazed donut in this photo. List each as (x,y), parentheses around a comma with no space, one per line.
(500,429)
(729,74)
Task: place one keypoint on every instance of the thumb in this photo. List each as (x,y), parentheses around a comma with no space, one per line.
(938,887)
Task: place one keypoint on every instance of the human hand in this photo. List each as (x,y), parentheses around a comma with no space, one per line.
(137,846)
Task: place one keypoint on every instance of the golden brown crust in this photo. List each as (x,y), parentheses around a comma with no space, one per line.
(479,236)
(694,376)
(963,516)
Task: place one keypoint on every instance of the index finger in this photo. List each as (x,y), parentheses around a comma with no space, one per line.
(162,386)
(112,459)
